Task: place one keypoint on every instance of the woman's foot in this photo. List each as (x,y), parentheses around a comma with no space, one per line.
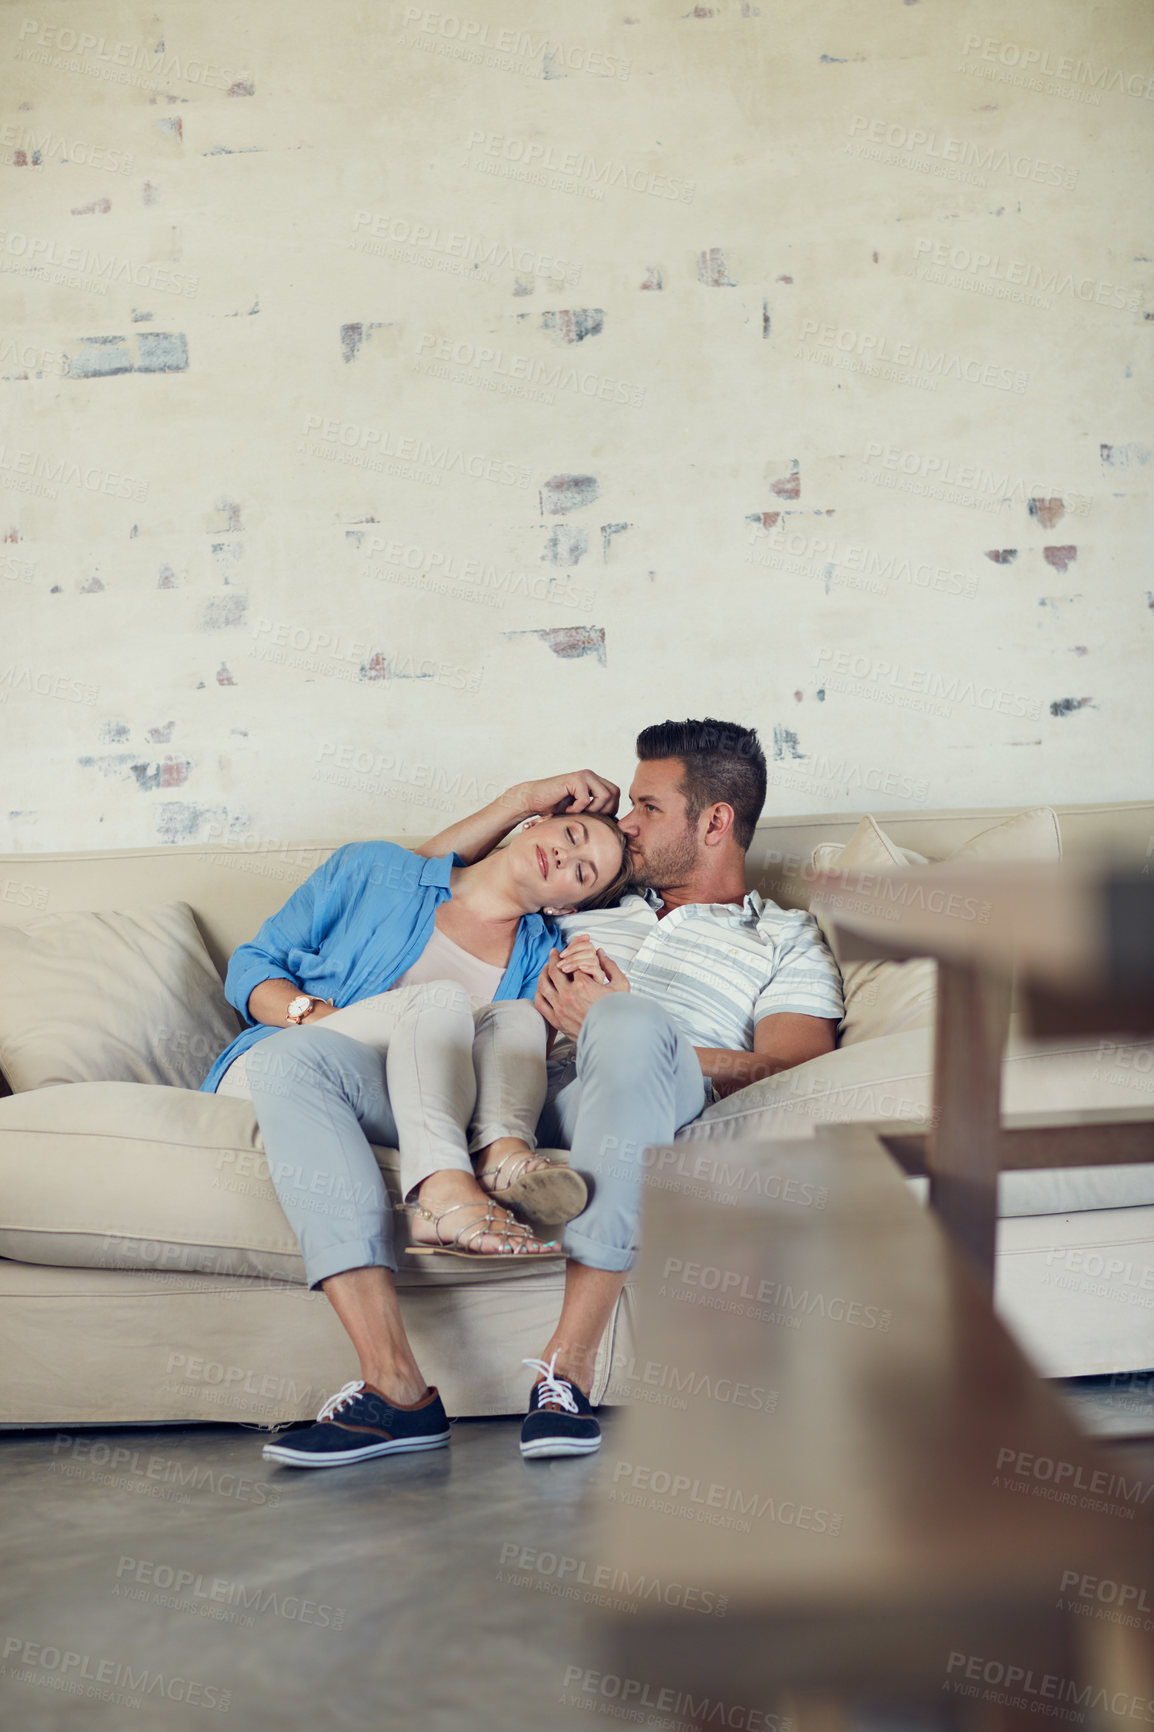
(542,1192)
(453,1212)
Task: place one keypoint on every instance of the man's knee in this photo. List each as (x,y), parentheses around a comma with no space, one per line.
(624,1022)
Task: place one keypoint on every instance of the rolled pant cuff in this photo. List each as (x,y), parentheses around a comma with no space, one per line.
(595,1255)
(485,1134)
(357,1254)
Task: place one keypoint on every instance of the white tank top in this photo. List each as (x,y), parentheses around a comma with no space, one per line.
(441,959)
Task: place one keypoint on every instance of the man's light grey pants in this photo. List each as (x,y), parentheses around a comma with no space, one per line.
(439,1083)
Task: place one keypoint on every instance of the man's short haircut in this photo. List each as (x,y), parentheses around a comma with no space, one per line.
(722,762)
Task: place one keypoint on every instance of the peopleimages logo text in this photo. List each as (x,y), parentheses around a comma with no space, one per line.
(926,682)
(1080,72)
(578,165)
(963,151)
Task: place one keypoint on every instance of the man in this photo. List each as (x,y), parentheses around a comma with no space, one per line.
(703,989)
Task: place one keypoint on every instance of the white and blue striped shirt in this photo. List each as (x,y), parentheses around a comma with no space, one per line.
(718,968)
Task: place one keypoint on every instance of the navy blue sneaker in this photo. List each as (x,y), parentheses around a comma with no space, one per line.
(560,1420)
(359,1422)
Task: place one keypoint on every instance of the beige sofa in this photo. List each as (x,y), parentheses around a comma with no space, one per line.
(148,1274)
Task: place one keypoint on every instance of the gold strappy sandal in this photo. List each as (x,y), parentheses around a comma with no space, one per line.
(460,1245)
(546,1197)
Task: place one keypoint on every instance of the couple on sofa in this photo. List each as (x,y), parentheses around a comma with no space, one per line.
(591,986)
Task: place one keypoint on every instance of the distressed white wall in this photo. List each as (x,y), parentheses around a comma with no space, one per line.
(738,342)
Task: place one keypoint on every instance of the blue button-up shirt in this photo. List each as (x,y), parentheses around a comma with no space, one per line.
(352,928)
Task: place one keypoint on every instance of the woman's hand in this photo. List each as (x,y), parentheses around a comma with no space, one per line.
(581,955)
(564,999)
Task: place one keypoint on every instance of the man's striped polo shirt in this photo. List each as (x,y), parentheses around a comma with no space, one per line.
(718,968)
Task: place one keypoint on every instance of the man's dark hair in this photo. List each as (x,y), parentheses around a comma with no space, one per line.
(722,762)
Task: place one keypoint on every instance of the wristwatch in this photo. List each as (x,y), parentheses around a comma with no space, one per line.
(300,1006)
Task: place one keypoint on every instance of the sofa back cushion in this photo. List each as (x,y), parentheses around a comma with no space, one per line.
(111,997)
(889,997)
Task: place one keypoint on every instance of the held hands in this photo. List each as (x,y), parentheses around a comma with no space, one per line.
(581,955)
(565,993)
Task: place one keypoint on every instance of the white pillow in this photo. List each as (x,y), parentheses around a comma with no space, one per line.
(111,997)
(887,997)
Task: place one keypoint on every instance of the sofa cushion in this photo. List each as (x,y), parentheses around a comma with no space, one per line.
(891,1079)
(886,997)
(114,1175)
(111,997)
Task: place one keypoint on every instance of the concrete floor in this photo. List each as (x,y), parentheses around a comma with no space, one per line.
(406,1613)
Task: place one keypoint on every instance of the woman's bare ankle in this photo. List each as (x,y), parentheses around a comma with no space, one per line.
(450,1185)
(495,1152)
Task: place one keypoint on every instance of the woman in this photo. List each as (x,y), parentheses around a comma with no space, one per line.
(427,941)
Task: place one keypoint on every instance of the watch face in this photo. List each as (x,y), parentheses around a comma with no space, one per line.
(300,1006)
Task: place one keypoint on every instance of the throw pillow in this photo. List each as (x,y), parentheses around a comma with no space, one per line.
(111,997)
(887,997)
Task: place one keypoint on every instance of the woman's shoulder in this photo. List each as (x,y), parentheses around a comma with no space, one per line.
(388,865)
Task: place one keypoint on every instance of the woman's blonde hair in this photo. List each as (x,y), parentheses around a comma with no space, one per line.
(611,892)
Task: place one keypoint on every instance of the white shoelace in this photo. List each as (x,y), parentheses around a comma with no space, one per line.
(555,1388)
(338,1400)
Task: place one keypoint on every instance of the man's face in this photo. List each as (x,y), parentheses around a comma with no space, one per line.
(662,842)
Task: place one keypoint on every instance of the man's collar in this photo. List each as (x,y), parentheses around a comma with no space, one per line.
(751,902)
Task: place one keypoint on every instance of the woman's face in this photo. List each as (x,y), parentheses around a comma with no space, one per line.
(560,861)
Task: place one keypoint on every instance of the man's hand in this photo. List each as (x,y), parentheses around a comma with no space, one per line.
(564,1000)
(524,803)
(579,791)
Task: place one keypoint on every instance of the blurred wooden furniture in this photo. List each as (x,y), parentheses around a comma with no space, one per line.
(1079,940)
(852,1458)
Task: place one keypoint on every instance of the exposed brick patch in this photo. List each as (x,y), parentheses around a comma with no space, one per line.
(570,641)
(223,611)
(1067,706)
(566,545)
(568,493)
(1124,456)
(788,486)
(574,324)
(169,772)
(1061,558)
(712,269)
